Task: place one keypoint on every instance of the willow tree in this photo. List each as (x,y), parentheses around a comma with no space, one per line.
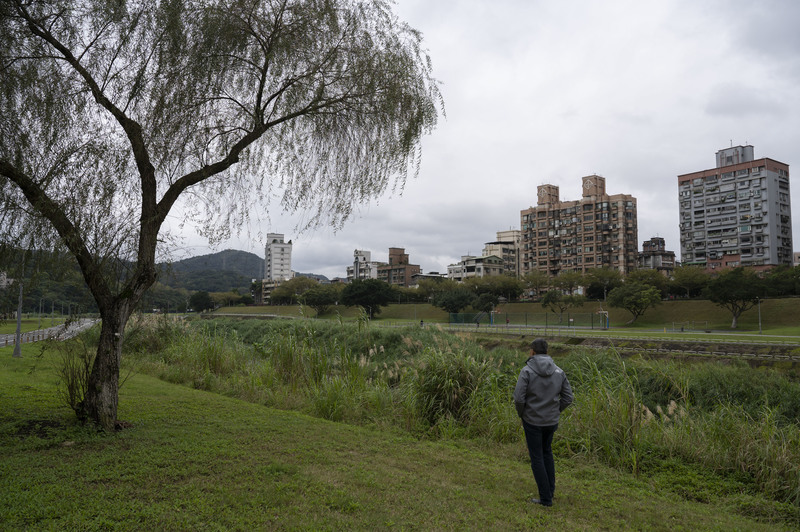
(117,113)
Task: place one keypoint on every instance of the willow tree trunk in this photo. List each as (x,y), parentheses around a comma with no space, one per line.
(100,402)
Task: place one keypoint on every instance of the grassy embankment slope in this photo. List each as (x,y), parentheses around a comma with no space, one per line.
(193,460)
(777,315)
(28,324)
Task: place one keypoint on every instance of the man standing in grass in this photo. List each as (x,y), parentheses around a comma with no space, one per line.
(541,394)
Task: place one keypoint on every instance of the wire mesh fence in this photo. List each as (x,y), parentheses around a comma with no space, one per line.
(689,326)
(585,320)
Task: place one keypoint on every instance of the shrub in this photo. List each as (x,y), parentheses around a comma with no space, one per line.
(661,383)
(711,385)
(730,439)
(337,399)
(152,333)
(444,383)
(386,344)
(75,359)
(491,410)
(295,361)
(608,419)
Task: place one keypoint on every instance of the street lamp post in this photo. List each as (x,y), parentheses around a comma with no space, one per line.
(18,338)
(759,314)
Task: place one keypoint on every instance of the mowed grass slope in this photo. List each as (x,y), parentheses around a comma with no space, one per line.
(192,460)
(776,314)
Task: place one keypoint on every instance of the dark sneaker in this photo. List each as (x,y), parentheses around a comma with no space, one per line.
(539,501)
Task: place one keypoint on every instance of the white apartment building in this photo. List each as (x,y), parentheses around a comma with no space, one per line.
(736,214)
(278,258)
(363,266)
(475,267)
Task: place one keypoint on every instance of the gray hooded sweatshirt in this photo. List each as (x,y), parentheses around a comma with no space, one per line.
(542,392)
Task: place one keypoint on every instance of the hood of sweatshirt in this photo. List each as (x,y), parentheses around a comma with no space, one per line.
(542,365)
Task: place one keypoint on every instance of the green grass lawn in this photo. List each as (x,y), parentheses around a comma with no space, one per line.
(193,460)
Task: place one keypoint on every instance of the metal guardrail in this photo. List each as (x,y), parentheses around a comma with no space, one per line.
(61,332)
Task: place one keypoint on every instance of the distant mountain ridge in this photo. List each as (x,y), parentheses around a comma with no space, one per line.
(229,270)
(317,276)
(242,262)
(219,272)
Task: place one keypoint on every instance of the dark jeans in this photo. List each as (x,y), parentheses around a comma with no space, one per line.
(540,449)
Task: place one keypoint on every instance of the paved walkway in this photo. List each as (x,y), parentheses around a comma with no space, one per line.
(60,332)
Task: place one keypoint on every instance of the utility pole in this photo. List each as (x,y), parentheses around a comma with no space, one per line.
(18,340)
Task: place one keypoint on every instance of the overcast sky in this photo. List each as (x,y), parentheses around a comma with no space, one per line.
(549,91)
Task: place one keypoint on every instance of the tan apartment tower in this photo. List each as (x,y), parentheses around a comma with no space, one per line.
(736,214)
(398,271)
(596,231)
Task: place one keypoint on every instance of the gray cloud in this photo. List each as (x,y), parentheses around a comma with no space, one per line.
(736,100)
(547,92)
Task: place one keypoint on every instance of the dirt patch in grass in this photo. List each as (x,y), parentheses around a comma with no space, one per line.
(40,428)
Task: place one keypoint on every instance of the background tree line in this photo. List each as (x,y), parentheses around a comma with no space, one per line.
(54,284)
(736,290)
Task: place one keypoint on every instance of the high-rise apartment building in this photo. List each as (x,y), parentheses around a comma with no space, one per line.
(506,247)
(278,258)
(596,231)
(736,214)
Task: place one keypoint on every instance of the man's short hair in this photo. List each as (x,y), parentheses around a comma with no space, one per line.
(539,346)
